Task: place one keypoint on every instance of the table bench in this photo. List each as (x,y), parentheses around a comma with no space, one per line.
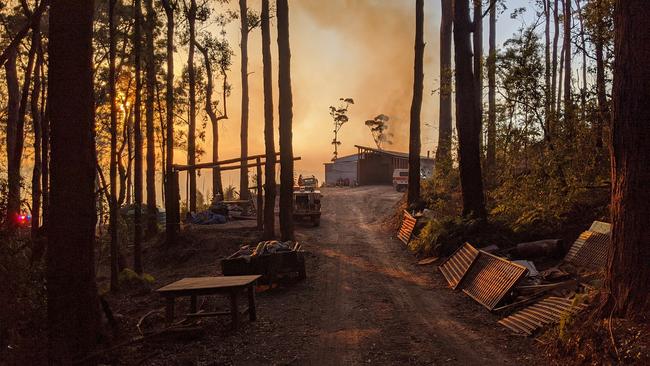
(206,286)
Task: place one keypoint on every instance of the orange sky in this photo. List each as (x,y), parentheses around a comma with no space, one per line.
(362,49)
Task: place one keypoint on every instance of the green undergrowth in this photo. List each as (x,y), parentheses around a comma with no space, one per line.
(523,205)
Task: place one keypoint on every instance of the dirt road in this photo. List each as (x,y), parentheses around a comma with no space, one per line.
(365,301)
(378,307)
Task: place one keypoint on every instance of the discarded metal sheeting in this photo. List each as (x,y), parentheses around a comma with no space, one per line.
(484,277)
(545,312)
(491,278)
(457,265)
(601,227)
(589,250)
(407,227)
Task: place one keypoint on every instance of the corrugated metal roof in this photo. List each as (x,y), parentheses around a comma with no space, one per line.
(491,278)
(547,311)
(589,250)
(392,153)
(482,276)
(456,266)
(407,227)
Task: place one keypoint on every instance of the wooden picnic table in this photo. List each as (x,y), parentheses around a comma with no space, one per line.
(206,286)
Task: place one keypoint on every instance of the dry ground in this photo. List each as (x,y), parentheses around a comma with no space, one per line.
(365,301)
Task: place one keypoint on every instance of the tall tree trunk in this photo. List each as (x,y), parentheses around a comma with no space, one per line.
(243,176)
(558,107)
(416,106)
(467,123)
(191,133)
(13,105)
(36,122)
(269,140)
(568,102)
(492,87)
(477,42)
(285,106)
(72,304)
(554,79)
(137,141)
(112,30)
(443,153)
(601,91)
(628,274)
(170,195)
(16,129)
(45,156)
(583,45)
(150,72)
(547,66)
(217,186)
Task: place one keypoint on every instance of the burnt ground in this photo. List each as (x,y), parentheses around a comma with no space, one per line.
(365,301)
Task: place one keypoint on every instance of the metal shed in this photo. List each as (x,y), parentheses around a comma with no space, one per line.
(343,169)
(376,166)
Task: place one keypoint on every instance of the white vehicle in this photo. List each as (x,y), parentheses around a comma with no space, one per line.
(400,179)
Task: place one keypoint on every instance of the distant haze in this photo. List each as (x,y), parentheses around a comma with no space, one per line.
(362,49)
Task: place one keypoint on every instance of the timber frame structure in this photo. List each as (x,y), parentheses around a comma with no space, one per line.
(173,218)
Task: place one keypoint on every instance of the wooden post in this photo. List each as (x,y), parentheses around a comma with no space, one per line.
(252,312)
(169,313)
(193,304)
(260,198)
(172,219)
(234,309)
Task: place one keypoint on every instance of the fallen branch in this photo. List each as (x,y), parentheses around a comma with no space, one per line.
(186,332)
(145,316)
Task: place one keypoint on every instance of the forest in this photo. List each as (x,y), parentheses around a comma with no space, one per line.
(113,114)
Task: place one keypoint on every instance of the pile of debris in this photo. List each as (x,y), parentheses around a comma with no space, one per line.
(265,248)
(270,259)
(531,299)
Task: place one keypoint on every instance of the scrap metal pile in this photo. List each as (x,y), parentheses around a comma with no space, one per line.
(270,259)
(265,248)
(510,284)
(531,298)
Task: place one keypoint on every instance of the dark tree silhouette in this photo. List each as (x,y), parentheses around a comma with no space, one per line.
(286,116)
(467,122)
(554,64)
(416,106)
(568,102)
(490,159)
(191,131)
(223,61)
(37,125)
(150,76)
(269,140)
(113,205)
(443,152)
(477,42)
(137,141)
(243,176)
(72,305)
(628,274)
(340,116)
(170,194)
(13,171)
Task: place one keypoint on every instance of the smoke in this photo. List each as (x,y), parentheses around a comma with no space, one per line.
(361,49)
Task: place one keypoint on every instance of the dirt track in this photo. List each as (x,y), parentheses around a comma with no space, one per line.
(378,307)
(365,301)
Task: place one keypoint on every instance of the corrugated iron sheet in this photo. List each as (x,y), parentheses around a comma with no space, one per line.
(456,266)
(407,227)
(490,278)
(589,250)
(545,312)
(601,227)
